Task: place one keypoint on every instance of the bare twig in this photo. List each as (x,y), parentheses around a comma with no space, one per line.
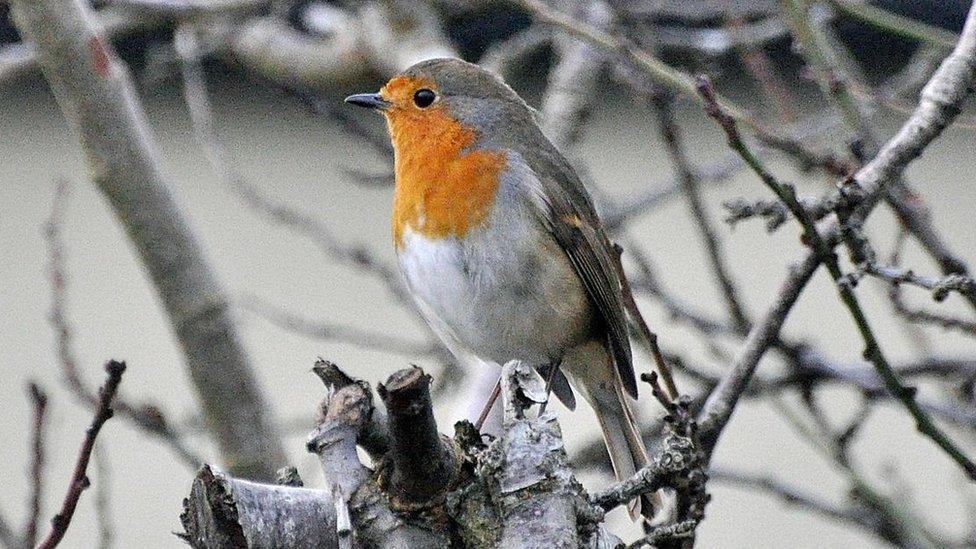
(832,82)
(948,322)
(103,500)
(941,287)
(713,246)
(826,60)
(366,339)
(872,349)
(895,522)
(79,479)
(939,105)
(616,213)
(95,93)
(39,401)
(147,416)
(353,125)
(190,9)
(773,211)
(722,401)
(198,101)
(648,337)
(670,532)
(792,495)
(648,283)
(680,465)
(667,76)
(761,68)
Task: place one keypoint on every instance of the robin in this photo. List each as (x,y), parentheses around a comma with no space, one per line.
(500,244)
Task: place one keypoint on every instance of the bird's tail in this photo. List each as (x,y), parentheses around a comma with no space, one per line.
(623,440)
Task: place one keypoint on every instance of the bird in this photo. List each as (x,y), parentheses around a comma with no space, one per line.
(501,247)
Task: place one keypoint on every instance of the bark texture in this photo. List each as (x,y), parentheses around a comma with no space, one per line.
(226,512)
(516,490)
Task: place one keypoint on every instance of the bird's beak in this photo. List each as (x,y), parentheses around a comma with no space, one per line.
(368,100)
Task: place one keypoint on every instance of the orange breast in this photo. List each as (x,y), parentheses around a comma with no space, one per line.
(440,191)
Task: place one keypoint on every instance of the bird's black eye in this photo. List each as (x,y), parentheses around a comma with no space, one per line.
(424,97)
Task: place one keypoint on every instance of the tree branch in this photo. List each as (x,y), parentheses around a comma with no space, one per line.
(347,415)
(365,339)
(224,513)
(146,416)
(713,246)
(39,401)
(941,102)
(872,350)
(667,76)
(95,93)
(423,465)
(79,479)
(573,79)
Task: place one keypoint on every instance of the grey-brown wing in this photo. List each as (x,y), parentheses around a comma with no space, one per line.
(566,208)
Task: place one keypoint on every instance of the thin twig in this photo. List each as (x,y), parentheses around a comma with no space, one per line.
(39,401)
(647,335)
(896,524)
(146,416)
(79,480)
(94,90)
(791,495)
(648,283)
(872,350)
(669,77)
(713,246)
(826,58)
(617,212)
(761,69)
(941,286)
(945,321)
(379,341)
(832,83)
(659,534)
(103,500)
(773,211)
(939,105)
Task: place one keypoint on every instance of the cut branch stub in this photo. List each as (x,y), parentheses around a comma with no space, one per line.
(224,512)
(374,434)
(423,464)
(343,414)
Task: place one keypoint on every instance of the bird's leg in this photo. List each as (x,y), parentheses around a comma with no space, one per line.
(497,390)
(550,377)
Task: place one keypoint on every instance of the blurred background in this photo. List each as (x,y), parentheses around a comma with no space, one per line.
(285,286)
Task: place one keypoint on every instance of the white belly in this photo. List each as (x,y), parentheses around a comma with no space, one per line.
(506,292)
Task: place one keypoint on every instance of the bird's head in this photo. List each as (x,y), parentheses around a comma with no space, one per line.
(445,99)
(452,125)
